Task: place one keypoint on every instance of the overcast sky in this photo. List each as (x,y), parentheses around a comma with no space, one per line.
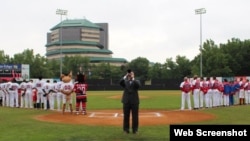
(154,29)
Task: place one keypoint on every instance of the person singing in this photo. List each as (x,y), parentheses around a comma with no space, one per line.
(130,100)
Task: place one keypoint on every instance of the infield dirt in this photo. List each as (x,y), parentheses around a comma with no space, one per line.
(115,117)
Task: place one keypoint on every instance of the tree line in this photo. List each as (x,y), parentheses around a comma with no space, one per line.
(225,60)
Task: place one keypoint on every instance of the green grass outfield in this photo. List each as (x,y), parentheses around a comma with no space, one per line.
(19,125)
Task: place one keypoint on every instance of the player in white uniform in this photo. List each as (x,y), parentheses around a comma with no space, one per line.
(29,88)
(221,95)
(237,91)
(7,87)
(247,92)
(47,87)
(53,95)
(209,95)
(216,94)
(202,95)
(23,94)
(38,85)
(13,91)
(204,91)
(241,92)
(59,95)
(185,87)
(196,92)
(4,93)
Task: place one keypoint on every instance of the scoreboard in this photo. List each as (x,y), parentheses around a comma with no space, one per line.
(17,71)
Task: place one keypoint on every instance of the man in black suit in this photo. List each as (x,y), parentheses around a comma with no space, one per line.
(130,100)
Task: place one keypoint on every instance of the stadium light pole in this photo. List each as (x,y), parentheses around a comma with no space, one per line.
(200,12)
(61,12)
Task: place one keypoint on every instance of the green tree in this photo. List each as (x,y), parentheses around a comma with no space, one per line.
(74,63)
(238,52)
(183,67)
(3,57)
(170,68)
(156,71)
(39,67)
(215,62)
(140,66)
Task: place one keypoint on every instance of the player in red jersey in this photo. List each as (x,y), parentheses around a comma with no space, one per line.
(34,97)
(185,88)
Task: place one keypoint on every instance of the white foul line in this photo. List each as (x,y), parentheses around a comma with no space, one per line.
(150,114)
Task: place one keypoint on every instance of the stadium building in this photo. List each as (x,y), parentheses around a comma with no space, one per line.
(83,38)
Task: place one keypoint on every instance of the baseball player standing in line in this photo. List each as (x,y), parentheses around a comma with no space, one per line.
(204,89)
(231,95)
(47,87)
(34,97)
(13,90)
(8,95)
(1,94)
(196,92)
(23,94)
(241,92)
(29,97)
(202,95)
(4,93)
(216,94)
(59,95)
(226,92)
(1,97)
(38,85)
(237,91)
(247,92)
(53,95)
(221,91)
(210,93)
(186,88)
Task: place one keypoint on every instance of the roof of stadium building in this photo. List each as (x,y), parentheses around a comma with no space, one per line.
(106,59)
(79,51)
(76,23)
(75,43)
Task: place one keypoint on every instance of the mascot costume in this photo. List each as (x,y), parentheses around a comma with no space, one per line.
(67,89)
(80,88)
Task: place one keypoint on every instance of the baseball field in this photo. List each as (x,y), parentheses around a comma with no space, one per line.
(158,109)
